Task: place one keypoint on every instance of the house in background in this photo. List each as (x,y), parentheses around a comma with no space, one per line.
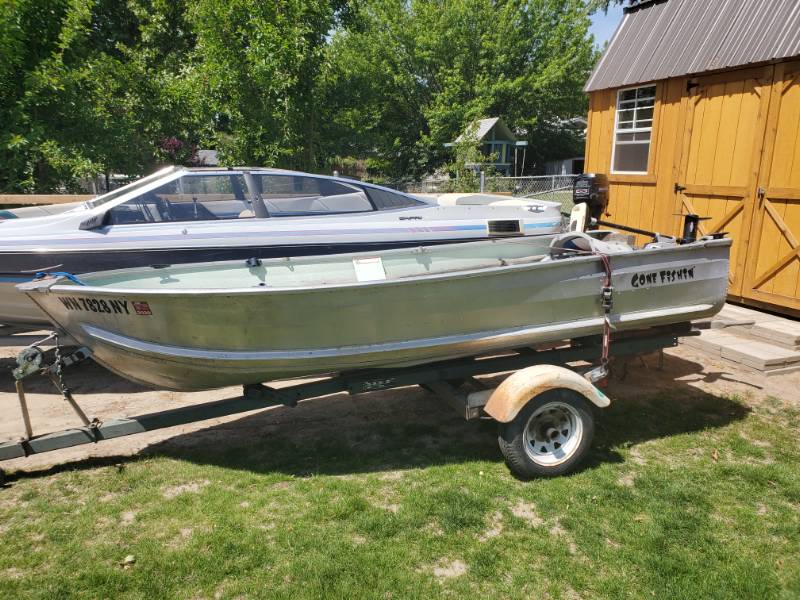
(695,108)
(497,139)
(207,158)
(574,128)
(564,166)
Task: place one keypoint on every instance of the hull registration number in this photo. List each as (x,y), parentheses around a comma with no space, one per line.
(103,305)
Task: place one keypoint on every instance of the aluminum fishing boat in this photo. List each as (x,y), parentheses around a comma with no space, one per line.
(182,215)
(199,326)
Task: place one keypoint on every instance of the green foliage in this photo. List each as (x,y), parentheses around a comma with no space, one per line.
(84,88)
(110,86)
(604,5)
(256,65)
(414,74)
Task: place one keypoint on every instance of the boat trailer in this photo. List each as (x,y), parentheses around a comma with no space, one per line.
(544,409)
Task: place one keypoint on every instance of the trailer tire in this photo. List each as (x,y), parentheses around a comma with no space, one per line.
(550,436)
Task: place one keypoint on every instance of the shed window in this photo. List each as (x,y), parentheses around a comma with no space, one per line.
(632,129)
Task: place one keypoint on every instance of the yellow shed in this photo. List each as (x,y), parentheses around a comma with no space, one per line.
(695,107)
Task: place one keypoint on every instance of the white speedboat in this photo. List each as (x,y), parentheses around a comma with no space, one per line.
(209,325)
(182,215)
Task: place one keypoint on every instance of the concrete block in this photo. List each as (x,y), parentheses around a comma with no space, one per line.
(757,354)
(779,331)
(782,370)
(733,316)
(711,341)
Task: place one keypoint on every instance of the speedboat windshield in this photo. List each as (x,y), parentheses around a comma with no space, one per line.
(125,189)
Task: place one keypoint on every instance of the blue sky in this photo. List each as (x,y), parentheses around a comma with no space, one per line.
(604,24)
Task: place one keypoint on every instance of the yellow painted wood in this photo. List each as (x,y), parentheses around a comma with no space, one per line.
(772,271)
(724,118)
(637,179)
(733,133)
(716,190)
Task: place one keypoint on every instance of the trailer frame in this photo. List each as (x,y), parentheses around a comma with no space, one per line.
(451,380)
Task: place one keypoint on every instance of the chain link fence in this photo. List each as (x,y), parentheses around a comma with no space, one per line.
(555,188)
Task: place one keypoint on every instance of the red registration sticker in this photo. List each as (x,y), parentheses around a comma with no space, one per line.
(142,308)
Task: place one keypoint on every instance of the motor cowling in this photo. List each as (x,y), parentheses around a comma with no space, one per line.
(592,190)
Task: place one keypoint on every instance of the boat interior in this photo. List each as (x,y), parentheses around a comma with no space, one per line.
(342,269)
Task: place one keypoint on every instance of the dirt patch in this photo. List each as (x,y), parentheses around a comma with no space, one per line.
(434,529)
(446,568)
(13,573)
(626,480)
(392,508)
(179,540)
(636,456)
(570,594)
(558,531)
(127,518)
(495,527)
(185,488)
(527,512)
(103,522)
(384,501)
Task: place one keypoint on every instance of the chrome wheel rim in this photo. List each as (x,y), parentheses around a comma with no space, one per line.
(552,434)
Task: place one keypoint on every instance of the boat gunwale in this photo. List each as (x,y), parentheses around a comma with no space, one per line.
(45,286)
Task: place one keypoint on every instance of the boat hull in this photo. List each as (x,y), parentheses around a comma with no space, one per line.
(200,339)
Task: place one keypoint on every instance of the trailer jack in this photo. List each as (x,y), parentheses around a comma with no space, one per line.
(29,362)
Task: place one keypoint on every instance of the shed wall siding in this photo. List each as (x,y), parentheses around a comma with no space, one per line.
(638,200)
(733,143)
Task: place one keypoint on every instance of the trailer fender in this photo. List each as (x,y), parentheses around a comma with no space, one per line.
(515,392)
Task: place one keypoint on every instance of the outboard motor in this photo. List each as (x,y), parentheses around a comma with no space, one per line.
(590,189)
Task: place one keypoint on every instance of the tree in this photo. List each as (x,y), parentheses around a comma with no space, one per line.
(254,72)
(85,88)
(414,73)
(104,86)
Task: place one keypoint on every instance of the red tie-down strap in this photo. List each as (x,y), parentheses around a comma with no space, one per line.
(599,376)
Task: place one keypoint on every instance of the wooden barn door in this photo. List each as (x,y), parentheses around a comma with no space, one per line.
(773,264)
(724,117)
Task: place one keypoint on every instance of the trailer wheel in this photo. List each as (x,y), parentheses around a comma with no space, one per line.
(550,436)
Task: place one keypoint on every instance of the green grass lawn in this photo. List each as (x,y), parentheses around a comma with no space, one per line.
(683,497)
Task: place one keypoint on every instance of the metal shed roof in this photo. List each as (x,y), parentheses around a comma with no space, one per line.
(659,39)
